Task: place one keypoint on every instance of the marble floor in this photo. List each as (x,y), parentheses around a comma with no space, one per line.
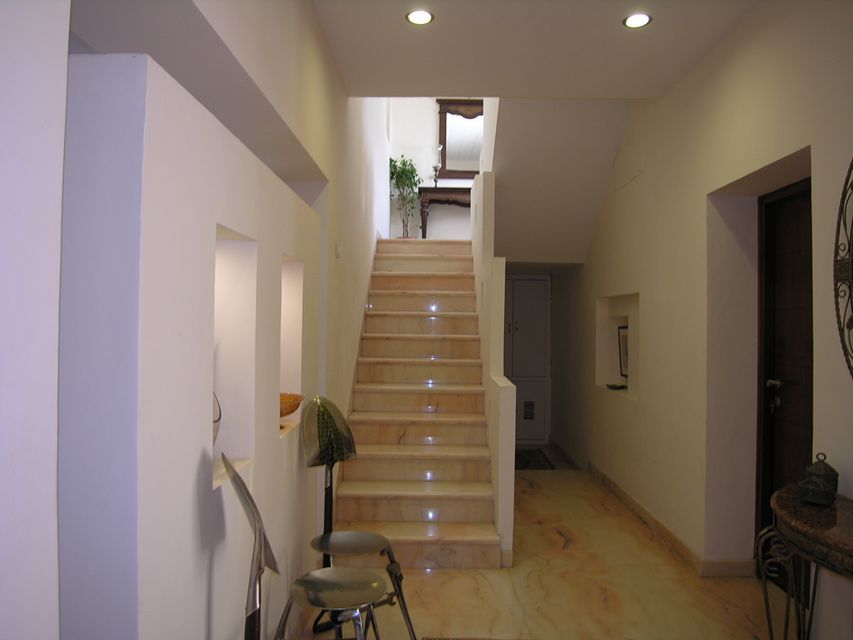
(585,568)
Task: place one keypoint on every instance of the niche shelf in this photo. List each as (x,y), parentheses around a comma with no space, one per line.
(290,363)
(234,321)
(615,315)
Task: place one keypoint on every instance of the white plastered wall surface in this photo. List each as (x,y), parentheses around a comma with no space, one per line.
(346,140)
(772,87)
(33,47)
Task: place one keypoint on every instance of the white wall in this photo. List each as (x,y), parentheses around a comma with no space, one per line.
(489,277)
(768,90)
(33,47)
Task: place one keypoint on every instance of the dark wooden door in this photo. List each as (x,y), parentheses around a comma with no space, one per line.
(785,367)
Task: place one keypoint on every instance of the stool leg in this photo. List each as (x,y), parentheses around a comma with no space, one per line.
(282,623)
(356,621)
(396,576)
(371,612)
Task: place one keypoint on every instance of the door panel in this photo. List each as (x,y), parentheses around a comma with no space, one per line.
(529,345)
(785,384)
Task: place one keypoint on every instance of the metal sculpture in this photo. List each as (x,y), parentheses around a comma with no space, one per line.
(262,554)
(843,270)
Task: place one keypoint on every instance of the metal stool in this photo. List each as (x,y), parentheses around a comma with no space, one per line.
(349,595)
(347,543)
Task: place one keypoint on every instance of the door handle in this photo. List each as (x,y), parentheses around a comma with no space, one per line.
(773,383)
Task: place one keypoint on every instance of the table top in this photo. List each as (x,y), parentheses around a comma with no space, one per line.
(824,534)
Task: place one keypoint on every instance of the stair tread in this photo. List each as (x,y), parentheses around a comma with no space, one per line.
(422,256)
(432,532)
(439,361)
(420,292)
(422,336)
(396,387)
(422,451)
(396,417)
(424,274)
(422,314)
(412,489)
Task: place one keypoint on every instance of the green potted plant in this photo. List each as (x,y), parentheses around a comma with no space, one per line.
(404,190)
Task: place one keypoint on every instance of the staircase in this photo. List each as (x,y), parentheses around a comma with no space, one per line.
(422,476)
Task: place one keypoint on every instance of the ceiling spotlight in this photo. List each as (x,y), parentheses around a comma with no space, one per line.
(637,20)
(419,16)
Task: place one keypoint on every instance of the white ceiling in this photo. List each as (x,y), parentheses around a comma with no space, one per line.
(567,73)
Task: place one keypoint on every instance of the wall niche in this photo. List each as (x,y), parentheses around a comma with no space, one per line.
(234,321)
(617,330)
(290,368)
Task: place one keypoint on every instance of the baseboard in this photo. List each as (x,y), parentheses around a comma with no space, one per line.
(506,558)
(728,569)
(669,539)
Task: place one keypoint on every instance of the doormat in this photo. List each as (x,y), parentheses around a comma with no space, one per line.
(532,459)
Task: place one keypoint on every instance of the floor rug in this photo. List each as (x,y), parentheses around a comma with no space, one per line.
(532,459)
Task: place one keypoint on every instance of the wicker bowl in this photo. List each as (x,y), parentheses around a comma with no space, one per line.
(289,403)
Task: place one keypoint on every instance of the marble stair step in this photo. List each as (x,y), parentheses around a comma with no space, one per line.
(423,370)
(438,398)
(421,301)
(428,545)
(379,500)
(370,427)
(439,463)
(422,281)
(455,322)
(416,345)
(422,262)
(421,246)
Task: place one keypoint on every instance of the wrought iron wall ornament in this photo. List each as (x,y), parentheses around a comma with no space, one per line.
(843,270)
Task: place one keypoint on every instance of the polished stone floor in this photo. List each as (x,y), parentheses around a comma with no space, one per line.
(585,569)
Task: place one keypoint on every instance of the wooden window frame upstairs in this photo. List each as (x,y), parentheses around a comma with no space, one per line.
(468,109)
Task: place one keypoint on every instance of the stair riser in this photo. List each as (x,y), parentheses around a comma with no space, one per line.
(468,374)
(432,555)
(409,264)
(425,301)
(437,282)
(437,470)
(424,402)
(421,324)
(403,348)
(404,509)
(419,434)
(434,247)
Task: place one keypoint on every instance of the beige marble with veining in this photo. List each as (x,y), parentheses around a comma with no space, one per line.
(452,398)
(422,262)
(422,281)
(419,346)
(422,301)
(446,322)
(423,370)
(423,246)
(585,568)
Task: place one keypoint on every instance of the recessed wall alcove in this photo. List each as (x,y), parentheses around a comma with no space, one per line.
(290,370)
(611,314)
(234,321)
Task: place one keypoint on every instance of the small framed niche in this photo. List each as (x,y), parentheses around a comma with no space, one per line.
(234,321)
(290,371)
(617,324)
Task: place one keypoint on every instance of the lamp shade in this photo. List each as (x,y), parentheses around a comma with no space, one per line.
(326,436)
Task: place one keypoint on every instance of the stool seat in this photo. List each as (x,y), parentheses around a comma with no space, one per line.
(338,588)
(349,543)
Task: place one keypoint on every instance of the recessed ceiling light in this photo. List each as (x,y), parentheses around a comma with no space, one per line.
(637,20)
(419,16)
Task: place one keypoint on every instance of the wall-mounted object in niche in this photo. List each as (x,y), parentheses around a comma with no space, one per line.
(217,416)
(622,334)
(288,403)
(843,271)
